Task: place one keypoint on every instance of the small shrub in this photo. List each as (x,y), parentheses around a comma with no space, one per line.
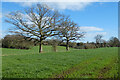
(16,41)
(54,44)
(86,46)
(89,46)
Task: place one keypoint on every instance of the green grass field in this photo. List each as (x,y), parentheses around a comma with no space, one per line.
(83,63)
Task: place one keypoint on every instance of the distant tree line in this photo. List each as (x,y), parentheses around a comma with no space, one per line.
(112,42)
(21,42)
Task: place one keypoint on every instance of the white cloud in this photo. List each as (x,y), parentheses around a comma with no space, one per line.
(90,36)
(101,33)
(92,32)
(0,24)
(0,33)
(60,4)
(68,5)
(0,17)
(60,0)
(88,29)
(24,4)
(0,14)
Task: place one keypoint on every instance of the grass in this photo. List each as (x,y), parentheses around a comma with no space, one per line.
(89,63)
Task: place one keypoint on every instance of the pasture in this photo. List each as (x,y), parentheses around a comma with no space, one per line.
(76,63)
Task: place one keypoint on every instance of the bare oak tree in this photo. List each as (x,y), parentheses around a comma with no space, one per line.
(36,23)
(69,31)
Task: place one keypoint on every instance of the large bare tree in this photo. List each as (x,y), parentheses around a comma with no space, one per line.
(69,31)
(38,22)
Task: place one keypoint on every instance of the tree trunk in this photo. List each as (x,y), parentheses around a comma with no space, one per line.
(40,46)
(67,45)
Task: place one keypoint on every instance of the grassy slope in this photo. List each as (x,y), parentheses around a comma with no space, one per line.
(92,63)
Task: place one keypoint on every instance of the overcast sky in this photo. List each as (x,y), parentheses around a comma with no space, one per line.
(92,17)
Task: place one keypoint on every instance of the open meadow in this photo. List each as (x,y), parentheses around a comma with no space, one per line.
(56,39)
(76,63)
